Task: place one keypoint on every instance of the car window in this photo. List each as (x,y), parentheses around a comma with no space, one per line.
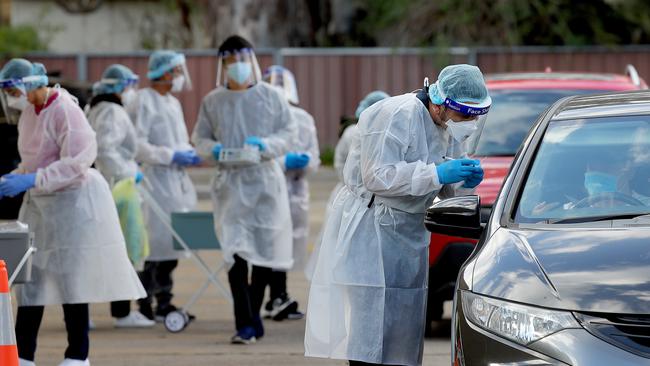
(512,114)
(589,168)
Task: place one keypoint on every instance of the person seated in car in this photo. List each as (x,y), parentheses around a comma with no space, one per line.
(602,179)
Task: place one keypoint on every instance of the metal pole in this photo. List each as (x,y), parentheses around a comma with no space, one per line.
(278,56)
(82,67)
(472,57)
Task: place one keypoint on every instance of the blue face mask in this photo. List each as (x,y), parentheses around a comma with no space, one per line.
(239,72)
(596,182)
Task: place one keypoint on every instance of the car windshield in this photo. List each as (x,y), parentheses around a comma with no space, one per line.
(589,169)
(512,114)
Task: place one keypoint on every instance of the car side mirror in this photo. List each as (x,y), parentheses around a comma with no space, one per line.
(457,216)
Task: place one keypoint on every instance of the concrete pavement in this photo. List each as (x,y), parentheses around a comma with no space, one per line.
(206,341)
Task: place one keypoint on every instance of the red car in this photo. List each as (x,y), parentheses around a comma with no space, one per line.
(517,101)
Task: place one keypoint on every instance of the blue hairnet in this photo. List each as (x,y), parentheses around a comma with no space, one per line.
(163,61)
(370,99)
(115,79)
(18,69)
(460,83)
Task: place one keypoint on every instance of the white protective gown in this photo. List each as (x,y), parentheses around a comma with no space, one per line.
(340,157)
(116,141)
(251,204)
(161,130)
(368,294)
(306,142)
(343,148)
(81,256)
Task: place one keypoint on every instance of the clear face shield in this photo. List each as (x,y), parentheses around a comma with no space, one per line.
(13,98)
(468,120)
(126,88)
(472,141)
(238,69)
(178,68)
(181,78)
(284,80)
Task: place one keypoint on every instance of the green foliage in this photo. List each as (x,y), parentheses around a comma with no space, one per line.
(17,40)
(327,156)
(507,22)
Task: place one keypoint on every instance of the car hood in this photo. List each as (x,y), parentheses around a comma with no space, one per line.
(590,270)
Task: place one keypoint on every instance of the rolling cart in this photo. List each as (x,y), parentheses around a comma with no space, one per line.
(192,232)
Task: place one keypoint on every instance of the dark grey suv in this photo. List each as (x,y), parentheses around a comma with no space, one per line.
(561,273)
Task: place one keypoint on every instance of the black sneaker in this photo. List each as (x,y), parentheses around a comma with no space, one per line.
(296,315)
(268,309)
(282,307)
(146,310)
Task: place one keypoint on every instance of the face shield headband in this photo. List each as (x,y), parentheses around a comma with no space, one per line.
(25,84)
(470,110)
(124,83)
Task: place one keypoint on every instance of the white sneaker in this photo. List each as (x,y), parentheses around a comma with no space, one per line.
(71,362)
(91,324)
(135,319)
(22,362)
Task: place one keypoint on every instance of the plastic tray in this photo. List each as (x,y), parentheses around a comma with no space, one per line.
(239,156)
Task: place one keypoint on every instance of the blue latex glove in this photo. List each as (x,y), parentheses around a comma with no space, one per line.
(186,158)
(296,161)
(255,141)
(454,171)
(14,184)
(216,151)
(474,180)
(139,177)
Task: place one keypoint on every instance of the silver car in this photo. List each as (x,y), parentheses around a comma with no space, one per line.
(561,273)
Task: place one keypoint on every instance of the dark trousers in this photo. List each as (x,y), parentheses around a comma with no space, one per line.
(120,309)
(157,280)
(278,284)
(28,321)
(247,297)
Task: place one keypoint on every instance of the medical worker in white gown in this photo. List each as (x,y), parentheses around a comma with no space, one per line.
(116,152)
(81,256)
(251,206)
(165,153)
(368,295)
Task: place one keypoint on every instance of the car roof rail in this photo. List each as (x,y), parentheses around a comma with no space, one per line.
(631,72)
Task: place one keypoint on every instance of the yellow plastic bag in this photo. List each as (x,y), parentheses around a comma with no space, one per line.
(129,210)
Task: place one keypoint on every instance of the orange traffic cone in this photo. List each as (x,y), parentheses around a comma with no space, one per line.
(8,349)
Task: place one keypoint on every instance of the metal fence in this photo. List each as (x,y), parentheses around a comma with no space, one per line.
(331,81)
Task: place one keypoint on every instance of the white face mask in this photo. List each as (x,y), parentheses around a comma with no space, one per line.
(461,131)
(19,103)
(128,96)
(177,83)
(240,72)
